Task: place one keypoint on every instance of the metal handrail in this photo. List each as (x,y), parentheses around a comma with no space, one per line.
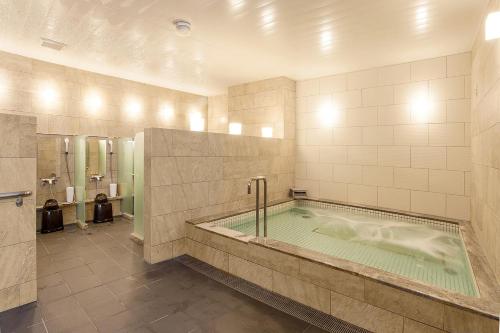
(18,195)
(257,205)
(8,195)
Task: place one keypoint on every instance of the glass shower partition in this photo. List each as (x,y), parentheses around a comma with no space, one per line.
(126,174)
(80,181)
(139,186)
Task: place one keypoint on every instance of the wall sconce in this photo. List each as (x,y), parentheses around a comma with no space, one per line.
(328,114)
(133,108)
(196,122)
(235,128)
(166,112)
(492,26)
(93,102)
(48,95)
(266,132)
(421,108)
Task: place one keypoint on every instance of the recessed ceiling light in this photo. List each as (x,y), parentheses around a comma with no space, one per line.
(52,44)
(183,27)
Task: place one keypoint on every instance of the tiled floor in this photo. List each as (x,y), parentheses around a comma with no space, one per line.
(96,281)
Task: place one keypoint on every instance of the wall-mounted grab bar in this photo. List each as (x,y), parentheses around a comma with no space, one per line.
(18,195)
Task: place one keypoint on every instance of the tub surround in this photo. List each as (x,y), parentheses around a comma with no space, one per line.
(18,284)
(365,296)
(194,174)
(396,137)
(485,187)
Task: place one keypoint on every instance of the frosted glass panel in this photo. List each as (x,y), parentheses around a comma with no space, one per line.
(126,174)
(80,180)
(139,185)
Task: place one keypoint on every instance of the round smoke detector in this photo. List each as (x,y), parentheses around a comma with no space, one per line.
(182,27)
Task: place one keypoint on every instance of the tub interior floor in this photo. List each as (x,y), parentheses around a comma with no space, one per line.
(417,251)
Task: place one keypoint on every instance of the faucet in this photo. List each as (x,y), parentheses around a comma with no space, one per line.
(249,191)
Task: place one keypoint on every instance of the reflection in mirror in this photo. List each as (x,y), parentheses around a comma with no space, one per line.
(95,157)
(49,157)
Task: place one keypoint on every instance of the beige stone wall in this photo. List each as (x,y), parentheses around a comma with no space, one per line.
(362,137)
(266,103)
(59,97)
(17,231)
(485,191)
(218,114)
(193,174)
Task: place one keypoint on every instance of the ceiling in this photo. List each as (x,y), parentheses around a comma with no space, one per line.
(236,41)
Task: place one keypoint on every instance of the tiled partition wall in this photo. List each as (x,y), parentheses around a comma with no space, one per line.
(395,137)
(217,120)
(193,174)
(485,191)
(266,103)
(17,224)
(66,100)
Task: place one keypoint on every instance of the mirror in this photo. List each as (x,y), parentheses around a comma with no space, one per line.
(95,164)
(48,156)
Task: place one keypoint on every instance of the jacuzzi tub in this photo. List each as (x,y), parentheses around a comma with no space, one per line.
(381,270)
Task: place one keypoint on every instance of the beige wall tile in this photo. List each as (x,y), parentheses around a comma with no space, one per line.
(458,207)
(428,69)
(458,321)
(362,194)
(459,64)
(333,83)
(444,181)
(333,154)
(320,171)
(352,174)
(447,134)
(391,75)
(301,291)
(378,135)
(363,155)
(406,304)
(458,158)
(378,176)
(362,79)
(411,134)
(348,136)
(254,273)
(395,156)
(378,96)
(428,157)
(449,88)
(398,199)
(333,191)
(428,203)
(365,315)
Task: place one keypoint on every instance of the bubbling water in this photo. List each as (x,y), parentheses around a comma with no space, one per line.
(419,241)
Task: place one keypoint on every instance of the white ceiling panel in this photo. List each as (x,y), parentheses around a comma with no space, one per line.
(236,41)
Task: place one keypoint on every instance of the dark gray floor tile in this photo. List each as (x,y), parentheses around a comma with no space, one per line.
(76,321)
(91,296)
(53,293)
(80,278)
(124,285)
(107,270)
(21,318)
(177,323)
(60,308)
(49,281)
(128,319)
(137,297)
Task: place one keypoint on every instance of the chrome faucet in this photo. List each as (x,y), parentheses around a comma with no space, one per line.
(257,206)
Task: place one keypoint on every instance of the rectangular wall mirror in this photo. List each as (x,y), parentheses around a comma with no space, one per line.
(95,157)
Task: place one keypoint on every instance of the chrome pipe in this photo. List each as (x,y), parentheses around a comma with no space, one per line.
(257,232)
(8,195)
(265,207)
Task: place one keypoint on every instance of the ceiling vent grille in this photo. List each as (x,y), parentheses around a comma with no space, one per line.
(52,44)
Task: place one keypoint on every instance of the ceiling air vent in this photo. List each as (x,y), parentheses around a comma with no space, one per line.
(52,44)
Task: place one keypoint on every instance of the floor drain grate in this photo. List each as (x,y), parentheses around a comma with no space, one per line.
(286,305)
